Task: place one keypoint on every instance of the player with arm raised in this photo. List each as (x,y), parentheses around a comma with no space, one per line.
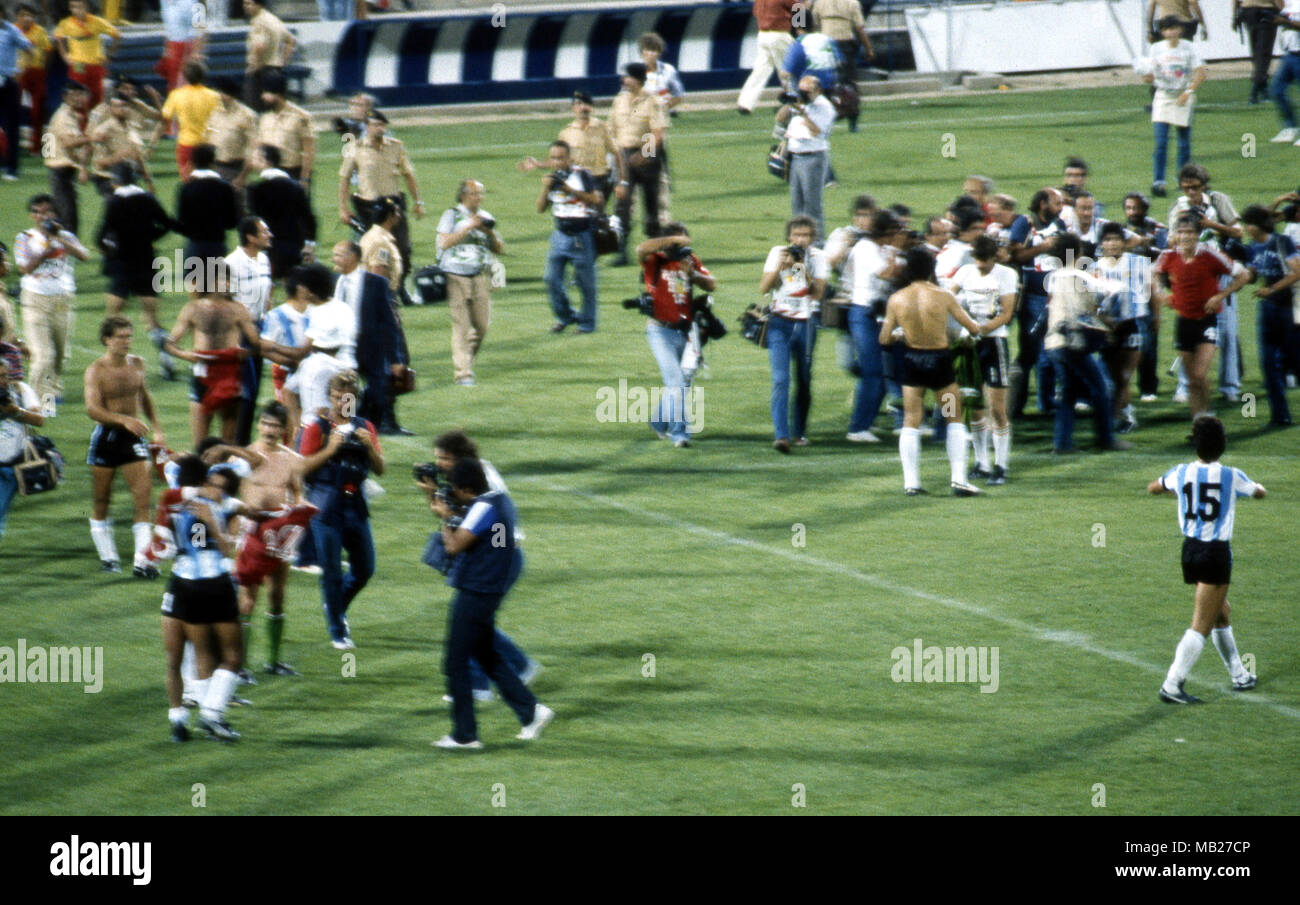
(115,393)
(1207,494)
(920,312)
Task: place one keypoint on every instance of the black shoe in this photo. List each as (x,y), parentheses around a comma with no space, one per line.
(980,471)
(218,729)
(110,565)
(149,573)
(395,430)
(916,491)
(280,669)
(1158,189)
(1246,684)
(558,327)
(246,677)
(1126,426)
(180,733)
(743,112)
(998,477)
(782,446)
(1180,697)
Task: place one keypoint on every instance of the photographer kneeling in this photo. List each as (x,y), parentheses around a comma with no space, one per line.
(19,407)
(671,272)
(485,564)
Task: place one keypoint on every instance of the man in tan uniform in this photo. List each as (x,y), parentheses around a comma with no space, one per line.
(67,152)
(232,131)
(842,21)
(638,122)
(288,127)
(269,47)
(379,252)
(381,165)
(113,142)
(591,146)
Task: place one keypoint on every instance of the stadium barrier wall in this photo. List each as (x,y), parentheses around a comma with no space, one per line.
(1047,35)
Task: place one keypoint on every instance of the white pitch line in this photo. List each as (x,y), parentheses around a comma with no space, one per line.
(1069,639)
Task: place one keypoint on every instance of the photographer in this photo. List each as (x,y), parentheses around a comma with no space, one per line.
(486,562)
(19,407)
(874,266)
(44,255)
(339,451)
(466,235)
(1032,245)
(449,449)
(796,275)
(570,191)
(672,271)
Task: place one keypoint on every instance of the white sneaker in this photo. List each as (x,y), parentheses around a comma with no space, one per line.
(541,716)
(1149,397)
(450,744)
(861,437)
(345,644)
(1286,136)
(1180,398)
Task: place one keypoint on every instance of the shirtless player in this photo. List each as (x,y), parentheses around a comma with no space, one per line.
(219,323)
(920,313)
(271,544)
(115,392)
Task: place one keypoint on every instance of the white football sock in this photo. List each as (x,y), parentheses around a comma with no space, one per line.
(909,450)
(199,687)
(957,451)
(1002,446)
(1226,645)
(221,688)
(142,534)
(102,534)
(1189,648)
(981,437)
(178,715)
(189,670)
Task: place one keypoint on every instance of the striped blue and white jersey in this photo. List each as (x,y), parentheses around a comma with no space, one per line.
(1207,497)
(197,552)
(1128,278)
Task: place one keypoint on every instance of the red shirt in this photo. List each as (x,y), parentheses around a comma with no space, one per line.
(667,282)
(773,15)
(313,441)
(1193,281)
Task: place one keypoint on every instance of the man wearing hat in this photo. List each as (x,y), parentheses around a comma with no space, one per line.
(381,165)
(591,142)
(287,126)
(638,121)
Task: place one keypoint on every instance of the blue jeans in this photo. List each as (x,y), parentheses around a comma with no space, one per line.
(515,659)
(1033,327)
(347,528)
(580,251)
(1288,71)
(1162,148)
(8,487)
(668,345)
(1074,371)
(1279,350)
(865,331)
(335,10)
(790,341)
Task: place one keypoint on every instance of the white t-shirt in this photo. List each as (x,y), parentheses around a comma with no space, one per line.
(13,433)
(835,244)
(333,325)
(1173,66)
(250,281)
(955,255)
(981,294)
(798,136)
(792,295)
(54,275)
(312,382)
(869,260)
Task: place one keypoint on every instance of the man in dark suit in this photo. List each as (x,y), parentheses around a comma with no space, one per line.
(379,337)
(207,208)
(281,202)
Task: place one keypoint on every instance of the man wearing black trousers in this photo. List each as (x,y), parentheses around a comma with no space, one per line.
(378,337)
(485,564)
(12,40)
(207,208)
(1258,17)
(280,201)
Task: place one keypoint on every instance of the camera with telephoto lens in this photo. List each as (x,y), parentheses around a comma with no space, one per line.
(644,303)
(425,473)
(486,222)
(797,252)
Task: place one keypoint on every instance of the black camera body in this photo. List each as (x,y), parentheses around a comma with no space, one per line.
(346,126)
(644,303)
(559,178)
(52,226)
(486,222)
(425,473)
(797,252)
(678,252)
(6,397)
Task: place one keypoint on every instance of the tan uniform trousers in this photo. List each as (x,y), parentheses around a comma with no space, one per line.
(471,311)
(47,325)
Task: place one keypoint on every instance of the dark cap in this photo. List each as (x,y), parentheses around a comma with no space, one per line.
(582,97)
(636,71)
(274,82)
(377,116)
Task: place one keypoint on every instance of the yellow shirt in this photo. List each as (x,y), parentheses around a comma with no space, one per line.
(85,45)
(191,105)
(41,47)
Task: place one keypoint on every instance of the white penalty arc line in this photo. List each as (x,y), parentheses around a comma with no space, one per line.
(1069,639)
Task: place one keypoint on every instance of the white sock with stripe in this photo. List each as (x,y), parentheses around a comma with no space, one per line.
(957,451)
(102,534)
(1189,648)
(1226,645)
(142,534)
(1002,446)
(909,451)
(189,671)
(221,688)
(981,437)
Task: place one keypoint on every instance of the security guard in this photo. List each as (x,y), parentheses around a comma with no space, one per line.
(232,130)
(379,251)
(287,126)
(638,120)
(380,163)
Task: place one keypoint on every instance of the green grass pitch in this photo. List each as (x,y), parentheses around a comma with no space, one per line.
(772,661)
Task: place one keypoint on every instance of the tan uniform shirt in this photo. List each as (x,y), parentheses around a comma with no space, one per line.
(379,249)
(379,169)
(589,145)
(1180,8)
(268,41)
(231,132)
(633,119)
(63,126)
(287,130)
(111,139)
(838,19)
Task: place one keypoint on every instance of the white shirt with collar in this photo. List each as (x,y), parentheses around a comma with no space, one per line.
(274,173)
(798,135)
(205,174)
(250,281)
(335,319)
(348,289)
